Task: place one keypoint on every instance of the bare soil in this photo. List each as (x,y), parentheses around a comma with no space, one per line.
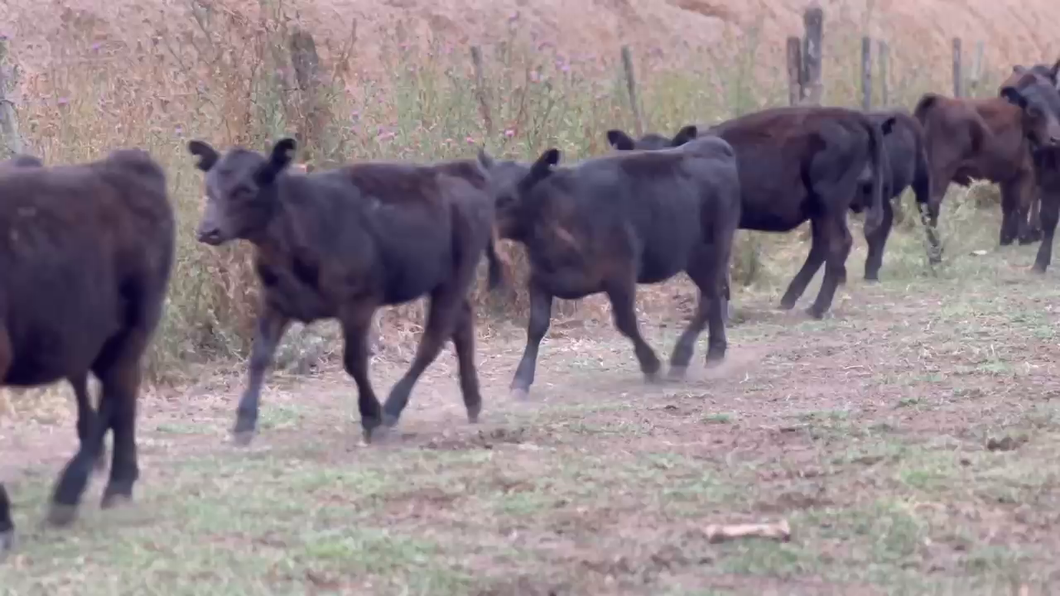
(911,439)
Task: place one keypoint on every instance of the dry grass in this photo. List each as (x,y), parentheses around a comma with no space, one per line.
(218,70)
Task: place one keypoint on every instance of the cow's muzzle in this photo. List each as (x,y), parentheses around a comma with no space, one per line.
(212,236)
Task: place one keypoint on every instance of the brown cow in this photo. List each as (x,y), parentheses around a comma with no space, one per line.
(86,256)
(1045,73)
(990,139)
(798,164)
(341,243)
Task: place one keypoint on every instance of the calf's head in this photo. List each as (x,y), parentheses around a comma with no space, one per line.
(1050,74)
(512,184)
(620,141)
(241,190)
(1040,103)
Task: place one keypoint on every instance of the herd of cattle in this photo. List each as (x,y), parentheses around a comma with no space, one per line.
(87,250)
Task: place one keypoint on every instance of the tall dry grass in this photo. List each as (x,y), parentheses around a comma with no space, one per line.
(226,78)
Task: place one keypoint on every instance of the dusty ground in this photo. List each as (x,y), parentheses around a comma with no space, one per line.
(912,441)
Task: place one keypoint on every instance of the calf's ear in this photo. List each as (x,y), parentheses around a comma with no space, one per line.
(1014,97)
(207,155)
(1054,73)
(686,134)
(281,157)
(619,140)
(542,168)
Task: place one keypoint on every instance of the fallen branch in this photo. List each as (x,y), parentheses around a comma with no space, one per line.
(775,531)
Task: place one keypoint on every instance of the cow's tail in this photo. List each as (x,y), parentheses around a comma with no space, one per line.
(496,268)
(922,173)
(880,175)
(927,101)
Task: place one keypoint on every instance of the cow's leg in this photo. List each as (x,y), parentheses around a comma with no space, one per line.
(809,268)
(838,241)
(118,368)
(85,413)
(1050,213)
(7,527)
(929,212)
(120,387)
(270,329)
(441,321)
(536,328)
(1025,190)
(876,241)
(356,321)
(1011,225)
(446,304)
(464,343)
(74,478)
(1034,223)
(708,270)
(622,294)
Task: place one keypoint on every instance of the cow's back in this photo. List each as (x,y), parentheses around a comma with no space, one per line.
(651,202)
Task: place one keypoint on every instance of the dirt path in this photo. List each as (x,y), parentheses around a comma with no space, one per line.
(912,440)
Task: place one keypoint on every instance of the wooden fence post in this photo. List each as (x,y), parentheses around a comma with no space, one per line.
(481,93)
(9,132)
(306,63)
(884,58)
(813,21)
(866,73)
(631,87)
(976,71)
(794,70)
(958,72)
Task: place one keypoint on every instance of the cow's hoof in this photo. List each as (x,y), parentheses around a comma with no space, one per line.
(115,500)
(60,515)
(1039,269)
(242,438)
(376,435)
(872,278)
(652,378)
(472,416)
(677,372)
(815,313)
(519,393)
